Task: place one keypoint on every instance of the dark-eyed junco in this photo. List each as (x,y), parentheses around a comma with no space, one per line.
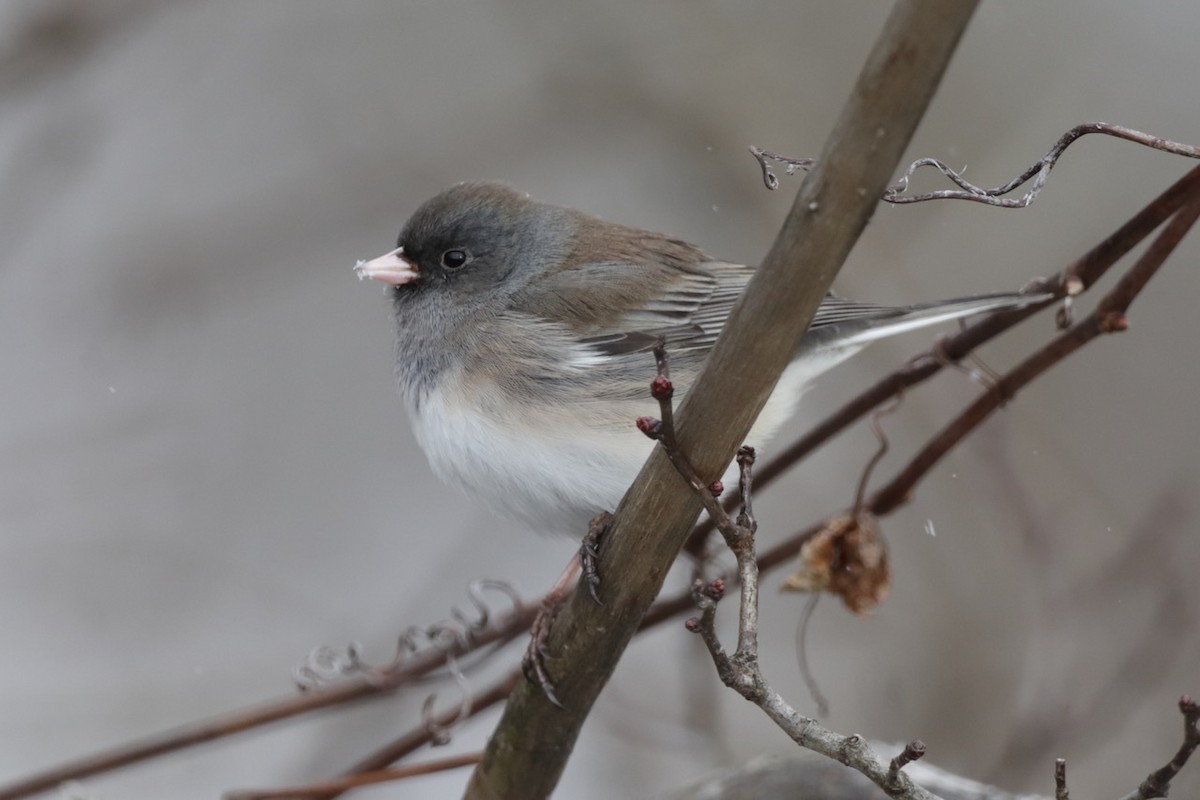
(524,345)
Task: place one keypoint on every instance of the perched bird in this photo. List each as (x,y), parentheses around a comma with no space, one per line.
(524,344)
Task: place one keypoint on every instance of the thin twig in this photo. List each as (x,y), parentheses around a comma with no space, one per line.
(1039,172)
(1085,271)
(802,628)
(357,689)
(740,671)
(880,452)
(913,751)
(1108,317)
(1157,783)
(419,736)
(324,788)
(1080,275)
(1061,792)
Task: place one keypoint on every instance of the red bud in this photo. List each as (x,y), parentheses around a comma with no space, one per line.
(650,426)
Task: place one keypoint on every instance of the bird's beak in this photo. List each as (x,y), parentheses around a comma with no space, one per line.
(391,268)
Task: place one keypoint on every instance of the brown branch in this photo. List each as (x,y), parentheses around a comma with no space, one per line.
(324,788)
(357,689)
(420,736)
(1158,782)
(529,748)
(1108,317)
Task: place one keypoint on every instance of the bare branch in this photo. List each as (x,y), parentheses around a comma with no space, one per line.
(1108,317)
(324,788)
(1158,782)
(912,751)
(806,774)
(741,671)
(1060,780)
(1075,278)
(1039,172)
(362,687)
(419,736)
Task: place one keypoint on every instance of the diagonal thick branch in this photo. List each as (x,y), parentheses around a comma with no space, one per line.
(529,749)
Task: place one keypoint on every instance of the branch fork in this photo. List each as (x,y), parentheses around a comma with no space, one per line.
(741,671)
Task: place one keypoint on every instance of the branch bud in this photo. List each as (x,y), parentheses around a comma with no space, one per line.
(715,590)
(650,426)
(661,388)
(745,455)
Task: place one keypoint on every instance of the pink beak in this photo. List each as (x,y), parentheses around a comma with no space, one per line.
(391,268)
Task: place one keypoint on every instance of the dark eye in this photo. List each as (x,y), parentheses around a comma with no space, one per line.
(453,259)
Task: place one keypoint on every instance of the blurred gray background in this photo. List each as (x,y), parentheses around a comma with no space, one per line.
(206,471)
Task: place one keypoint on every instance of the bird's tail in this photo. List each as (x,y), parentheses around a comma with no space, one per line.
(845,323)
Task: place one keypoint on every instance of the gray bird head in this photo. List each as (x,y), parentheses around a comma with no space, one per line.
(480,242)
(462,258)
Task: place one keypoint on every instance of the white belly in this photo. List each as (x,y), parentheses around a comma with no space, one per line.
(555,474)
(549,476)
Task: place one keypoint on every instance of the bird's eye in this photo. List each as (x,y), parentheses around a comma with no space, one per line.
(453,259)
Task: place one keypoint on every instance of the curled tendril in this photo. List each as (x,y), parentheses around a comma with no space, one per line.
(439,732)
(479,602)
(790,165)
(412,641)
(1038,172)
(454,636)
(449,637)
(326,664)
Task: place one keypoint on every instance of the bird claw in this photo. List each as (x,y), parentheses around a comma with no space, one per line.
(534,663)
(589,552)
